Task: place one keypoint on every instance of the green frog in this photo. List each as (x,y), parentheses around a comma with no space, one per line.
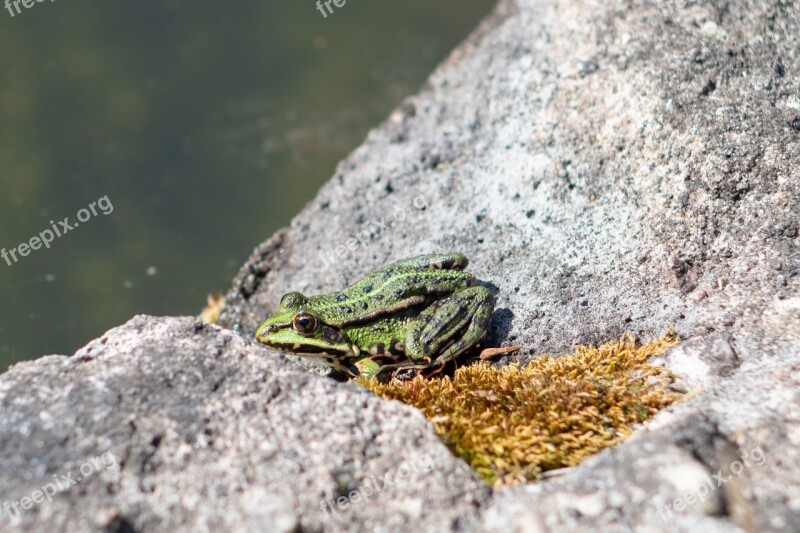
(415,313)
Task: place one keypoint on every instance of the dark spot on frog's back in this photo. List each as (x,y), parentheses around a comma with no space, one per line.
(342,297)
(398,292)
(367,289)
(364,306)
(346,310)
(388,274)
(379,297)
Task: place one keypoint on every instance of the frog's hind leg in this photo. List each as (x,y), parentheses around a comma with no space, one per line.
(451,326)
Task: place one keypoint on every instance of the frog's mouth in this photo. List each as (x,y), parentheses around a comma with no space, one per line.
(310,350)
(330,345)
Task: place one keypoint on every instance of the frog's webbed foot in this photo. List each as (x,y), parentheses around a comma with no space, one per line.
(375,365)
(451,326)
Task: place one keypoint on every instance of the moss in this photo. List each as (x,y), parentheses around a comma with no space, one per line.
(513,423)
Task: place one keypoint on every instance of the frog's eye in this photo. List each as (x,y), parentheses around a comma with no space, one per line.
(304,323)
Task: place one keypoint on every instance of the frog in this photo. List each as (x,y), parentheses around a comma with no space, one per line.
(416,313)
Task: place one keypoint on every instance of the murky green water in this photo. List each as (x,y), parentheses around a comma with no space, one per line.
(207,125)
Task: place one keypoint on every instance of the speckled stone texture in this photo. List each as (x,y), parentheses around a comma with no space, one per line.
(608,167)
(210,432)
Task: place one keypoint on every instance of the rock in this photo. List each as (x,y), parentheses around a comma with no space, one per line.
(199,429)
(698,362)
(607,167)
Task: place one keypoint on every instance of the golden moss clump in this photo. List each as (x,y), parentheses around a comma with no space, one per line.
(513,423)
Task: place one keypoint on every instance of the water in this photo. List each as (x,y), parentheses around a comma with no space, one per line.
(205,126)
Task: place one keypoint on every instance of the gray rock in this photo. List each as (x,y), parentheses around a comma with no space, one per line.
(198,429)
(608,167)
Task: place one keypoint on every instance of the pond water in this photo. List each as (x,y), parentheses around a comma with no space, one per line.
(172,137)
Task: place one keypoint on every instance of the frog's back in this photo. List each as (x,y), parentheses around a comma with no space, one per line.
(394,288)
(451,261)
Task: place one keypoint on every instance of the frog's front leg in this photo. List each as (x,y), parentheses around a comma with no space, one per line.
(450,326)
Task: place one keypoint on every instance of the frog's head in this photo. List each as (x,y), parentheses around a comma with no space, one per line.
(296,329)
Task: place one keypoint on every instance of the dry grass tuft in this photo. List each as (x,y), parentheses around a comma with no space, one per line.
(513,423)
